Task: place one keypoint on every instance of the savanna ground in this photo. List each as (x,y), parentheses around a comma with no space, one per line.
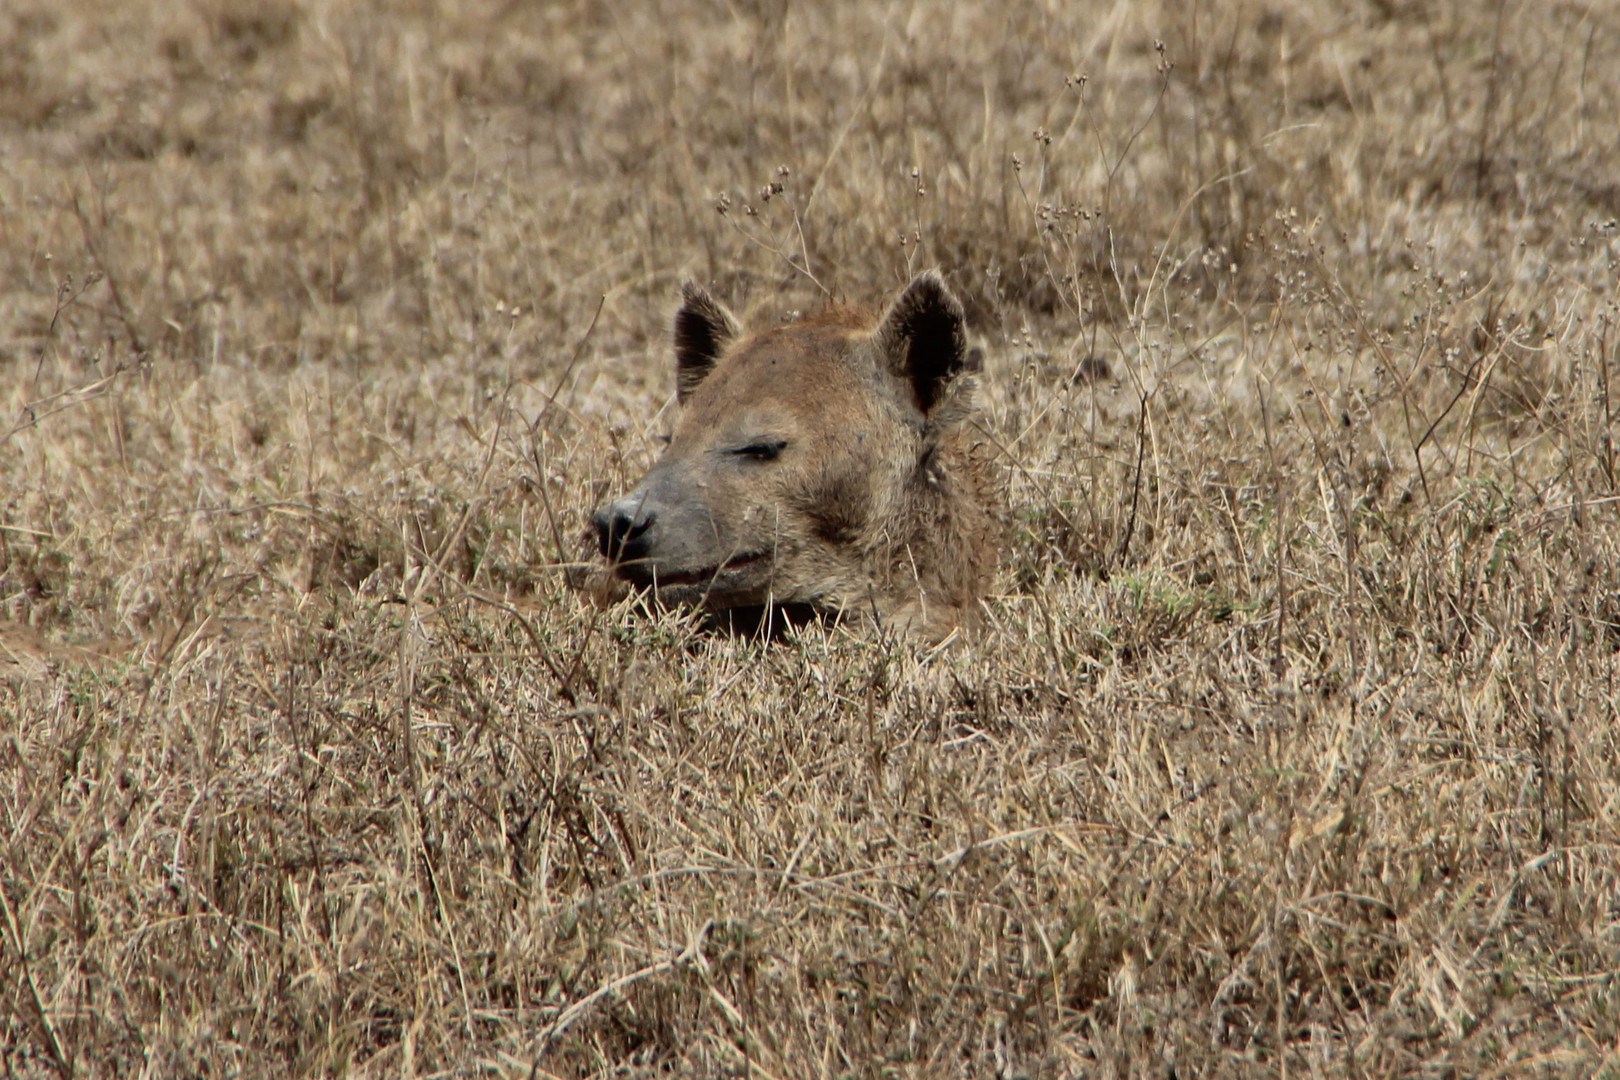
(1288,747)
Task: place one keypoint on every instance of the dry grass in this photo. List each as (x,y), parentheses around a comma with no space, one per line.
(1291,748)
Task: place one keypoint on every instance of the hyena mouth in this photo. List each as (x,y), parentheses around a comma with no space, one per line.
(647,575)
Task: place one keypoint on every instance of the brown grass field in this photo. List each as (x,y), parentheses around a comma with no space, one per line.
(1289,747)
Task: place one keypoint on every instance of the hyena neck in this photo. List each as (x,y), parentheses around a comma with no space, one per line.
(935,572)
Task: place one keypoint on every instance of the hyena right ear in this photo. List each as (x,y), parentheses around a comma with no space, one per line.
(923,340)
(703,329)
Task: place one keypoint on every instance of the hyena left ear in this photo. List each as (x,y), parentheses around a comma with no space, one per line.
(923,339)
(703,329)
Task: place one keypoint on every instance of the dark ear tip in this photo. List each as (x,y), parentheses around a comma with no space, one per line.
(929,298)
(698,303)
(931,280)
(928,290)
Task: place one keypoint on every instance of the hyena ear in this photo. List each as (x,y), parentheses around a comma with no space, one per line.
(923,339)
(703,328)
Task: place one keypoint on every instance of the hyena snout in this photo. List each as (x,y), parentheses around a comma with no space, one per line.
(624,528)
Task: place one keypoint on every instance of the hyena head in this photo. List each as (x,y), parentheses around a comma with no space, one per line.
(811,464)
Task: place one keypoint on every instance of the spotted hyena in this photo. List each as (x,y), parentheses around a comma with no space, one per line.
(826,463)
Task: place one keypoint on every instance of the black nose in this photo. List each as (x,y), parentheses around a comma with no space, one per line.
(621,529)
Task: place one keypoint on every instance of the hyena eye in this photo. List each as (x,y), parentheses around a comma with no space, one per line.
(762,449)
